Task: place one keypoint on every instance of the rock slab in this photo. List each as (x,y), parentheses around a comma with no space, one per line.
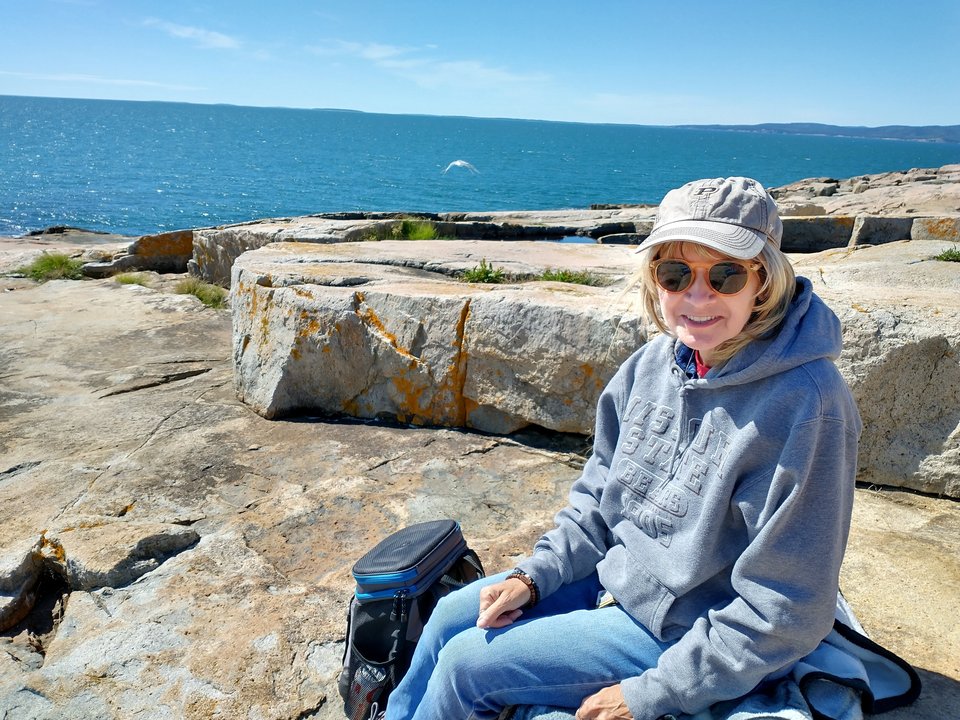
(248,621)
(341,329)
(384,330)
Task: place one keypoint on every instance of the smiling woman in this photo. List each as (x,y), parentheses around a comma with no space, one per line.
(701,313)
(716,284)
(700,552)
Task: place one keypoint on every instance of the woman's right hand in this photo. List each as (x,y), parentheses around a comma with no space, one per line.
(500,603)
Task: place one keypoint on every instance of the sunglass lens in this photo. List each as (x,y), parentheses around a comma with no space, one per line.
(728,278)
(673,275)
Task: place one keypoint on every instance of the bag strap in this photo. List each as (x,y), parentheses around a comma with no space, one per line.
(473,560)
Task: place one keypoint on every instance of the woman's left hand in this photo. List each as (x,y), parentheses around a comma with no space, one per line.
(608,704)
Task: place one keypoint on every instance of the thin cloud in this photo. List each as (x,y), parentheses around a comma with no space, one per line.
(417,65)
(474,73)
(203,38)
(94,80)
(374,52)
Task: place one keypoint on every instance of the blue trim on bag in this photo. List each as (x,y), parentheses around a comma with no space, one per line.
(412,590)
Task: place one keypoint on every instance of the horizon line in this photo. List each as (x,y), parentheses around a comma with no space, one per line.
(678,126)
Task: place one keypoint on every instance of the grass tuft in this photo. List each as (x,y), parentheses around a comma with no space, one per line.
(484,273)
(570,276)
(213,296)
(53,266)
(949,255)
(131,279)
(410,229)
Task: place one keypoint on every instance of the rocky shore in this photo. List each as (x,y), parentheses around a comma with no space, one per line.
(166,551)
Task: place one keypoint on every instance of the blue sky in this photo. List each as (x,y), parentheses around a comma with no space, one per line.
(845,62)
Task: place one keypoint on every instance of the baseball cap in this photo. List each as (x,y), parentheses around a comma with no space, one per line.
(735,216)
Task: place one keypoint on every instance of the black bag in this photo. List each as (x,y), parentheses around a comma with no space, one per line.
(398,584)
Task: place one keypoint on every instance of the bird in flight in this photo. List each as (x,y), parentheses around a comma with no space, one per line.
(461,164)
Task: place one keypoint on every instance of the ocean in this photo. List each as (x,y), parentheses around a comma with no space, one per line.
(135,168)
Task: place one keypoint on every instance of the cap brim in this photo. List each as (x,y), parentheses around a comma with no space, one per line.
(733,240)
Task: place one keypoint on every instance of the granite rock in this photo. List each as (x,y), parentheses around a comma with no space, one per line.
(344,329)
(383,330)
(248,621)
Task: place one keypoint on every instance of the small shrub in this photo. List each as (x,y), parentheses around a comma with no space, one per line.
(53,266)
(949,255)
(570,276)
(213,296)
(484,273)
(131,279)
(410,229)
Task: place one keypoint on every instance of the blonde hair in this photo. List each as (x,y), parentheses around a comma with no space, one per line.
(778,283)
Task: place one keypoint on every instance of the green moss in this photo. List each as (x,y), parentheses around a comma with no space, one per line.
(213,296)
(53,266)
(484,273)
(949,255)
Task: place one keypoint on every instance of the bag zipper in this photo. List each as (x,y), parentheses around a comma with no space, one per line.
(399,606)
(415,588)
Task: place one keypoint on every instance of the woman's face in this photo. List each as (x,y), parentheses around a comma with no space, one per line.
(699,316)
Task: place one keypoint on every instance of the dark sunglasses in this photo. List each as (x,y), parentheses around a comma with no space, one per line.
(727,277)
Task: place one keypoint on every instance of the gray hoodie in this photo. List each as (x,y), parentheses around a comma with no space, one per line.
(716,510)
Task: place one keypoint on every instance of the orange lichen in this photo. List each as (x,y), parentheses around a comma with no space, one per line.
(178,242)
(943,228)
(52,547)
(456,376)
(302,292)
(369,318)
(589,372)
(410,398)
(470,406)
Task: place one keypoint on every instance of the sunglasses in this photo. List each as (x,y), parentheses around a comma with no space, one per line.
(727,277)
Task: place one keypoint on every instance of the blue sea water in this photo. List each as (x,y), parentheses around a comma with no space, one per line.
(142,167)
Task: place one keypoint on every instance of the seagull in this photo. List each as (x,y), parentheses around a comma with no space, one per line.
(463,164)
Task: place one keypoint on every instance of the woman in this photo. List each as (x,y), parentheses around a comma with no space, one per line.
(700,551)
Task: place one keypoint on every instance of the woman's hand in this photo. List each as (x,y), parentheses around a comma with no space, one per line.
(608,704)
(500,603)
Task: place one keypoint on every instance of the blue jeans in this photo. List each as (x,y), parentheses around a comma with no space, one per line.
(556,654)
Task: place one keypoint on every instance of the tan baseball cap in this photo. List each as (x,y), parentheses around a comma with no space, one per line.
(735,216)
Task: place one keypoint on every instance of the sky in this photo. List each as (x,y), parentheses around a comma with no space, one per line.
(841,62)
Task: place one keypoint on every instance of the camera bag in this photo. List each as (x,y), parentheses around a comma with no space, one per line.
(398,583)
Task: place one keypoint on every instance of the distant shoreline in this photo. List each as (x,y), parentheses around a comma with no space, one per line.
(947,134)
(910,133)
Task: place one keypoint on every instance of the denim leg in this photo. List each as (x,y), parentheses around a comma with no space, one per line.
(453,614)
(556,654)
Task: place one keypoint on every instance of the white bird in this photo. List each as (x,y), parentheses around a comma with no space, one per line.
(463,164)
